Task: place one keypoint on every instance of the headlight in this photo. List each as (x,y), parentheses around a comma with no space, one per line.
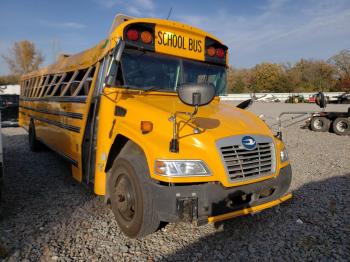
(181,168)
(284,155)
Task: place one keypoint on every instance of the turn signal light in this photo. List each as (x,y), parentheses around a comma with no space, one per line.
(146,127)
(146,37)
(219,52)
(160,167)
(132,35)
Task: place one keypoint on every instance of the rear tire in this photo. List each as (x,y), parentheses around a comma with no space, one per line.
(131,204)
(341,126)
(320,124)
(34,144)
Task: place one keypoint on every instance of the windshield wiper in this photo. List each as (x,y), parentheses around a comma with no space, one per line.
(150,88)
(138,88)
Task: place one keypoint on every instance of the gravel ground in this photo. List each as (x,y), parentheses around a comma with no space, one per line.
(46,216)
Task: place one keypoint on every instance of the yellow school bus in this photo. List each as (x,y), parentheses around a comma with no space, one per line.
(140,119)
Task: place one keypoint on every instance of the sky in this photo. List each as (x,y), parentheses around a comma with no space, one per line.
(255,31)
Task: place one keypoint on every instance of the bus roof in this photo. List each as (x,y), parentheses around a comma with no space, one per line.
(90,56)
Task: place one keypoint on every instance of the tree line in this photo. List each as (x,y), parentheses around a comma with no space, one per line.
(304,76)
(22,58)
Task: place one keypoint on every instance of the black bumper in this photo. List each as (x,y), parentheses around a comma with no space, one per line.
(198,202)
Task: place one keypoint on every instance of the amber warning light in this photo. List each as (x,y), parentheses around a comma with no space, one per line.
(134,35)
(146,37)
(146,127)
(219,52)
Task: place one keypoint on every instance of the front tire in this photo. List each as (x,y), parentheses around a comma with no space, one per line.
(131,204)
(320,124)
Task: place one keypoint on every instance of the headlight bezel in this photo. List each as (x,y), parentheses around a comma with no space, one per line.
(174,163)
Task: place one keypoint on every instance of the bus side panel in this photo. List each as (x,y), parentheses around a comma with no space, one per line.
(60,125)
(54,136)
(52,127)
(23,118)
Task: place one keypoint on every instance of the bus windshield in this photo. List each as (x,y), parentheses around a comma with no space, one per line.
(144,70)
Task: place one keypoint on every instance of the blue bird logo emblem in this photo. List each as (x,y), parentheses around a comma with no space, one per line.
(249,142)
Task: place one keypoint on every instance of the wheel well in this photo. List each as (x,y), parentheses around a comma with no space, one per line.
(117,146)
(121,145)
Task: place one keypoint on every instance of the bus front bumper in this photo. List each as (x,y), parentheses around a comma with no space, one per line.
(209,202)
(249,210)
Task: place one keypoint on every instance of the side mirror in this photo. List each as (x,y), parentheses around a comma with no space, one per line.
(321,100)
(193,95)
(196,94)
(245,104)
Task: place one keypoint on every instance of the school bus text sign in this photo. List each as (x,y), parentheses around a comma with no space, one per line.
(179,43)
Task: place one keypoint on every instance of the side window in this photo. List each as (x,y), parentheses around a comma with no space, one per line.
(57,84)
(26,86)
(41,84)
(51,86)
(45,86)
(62,84)
(76,83)
(31,86)
(31,83)
(26,89)
(37,85)
(65,89)
(73,87)
(86,84)
(79,83)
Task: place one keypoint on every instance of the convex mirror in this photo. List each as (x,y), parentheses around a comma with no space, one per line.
(196,94)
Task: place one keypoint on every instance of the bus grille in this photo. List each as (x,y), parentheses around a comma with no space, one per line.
(243,164)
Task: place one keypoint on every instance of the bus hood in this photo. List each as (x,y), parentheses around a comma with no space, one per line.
(215,121)
(219,119)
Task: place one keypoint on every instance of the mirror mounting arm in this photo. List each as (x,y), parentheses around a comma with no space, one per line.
(174,142)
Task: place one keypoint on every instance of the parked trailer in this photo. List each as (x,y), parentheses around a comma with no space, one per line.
(9,105)
(338,122)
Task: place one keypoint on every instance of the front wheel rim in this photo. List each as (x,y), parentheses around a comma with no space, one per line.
(125,197)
